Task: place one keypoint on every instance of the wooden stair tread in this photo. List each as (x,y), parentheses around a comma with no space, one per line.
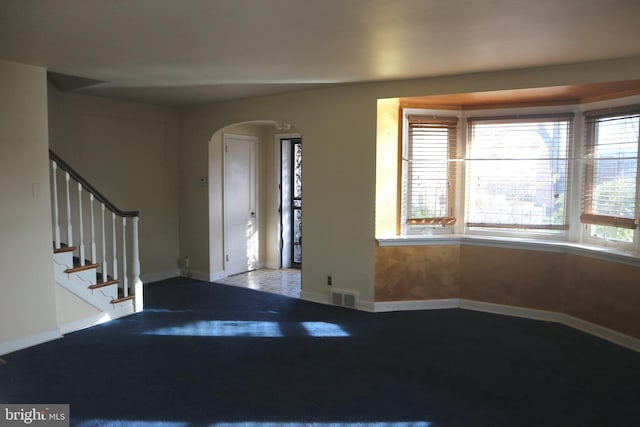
(122,299)
(103,284)
(81,268)
(63,250)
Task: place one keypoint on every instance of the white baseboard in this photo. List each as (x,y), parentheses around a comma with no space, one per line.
(29,341)
(432,304)
(610,335)
(602,332)
(77,325)
(550,316)
(157,276)
(510,310)
(366,305)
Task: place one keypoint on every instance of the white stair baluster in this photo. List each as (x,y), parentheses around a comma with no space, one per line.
(137,284)
(105,270)
(94,256)
(125,280)
(56,215)
(81,227)
(115,247)
(135,270)
(69,229)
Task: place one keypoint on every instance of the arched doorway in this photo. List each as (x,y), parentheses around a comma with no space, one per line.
(262,223)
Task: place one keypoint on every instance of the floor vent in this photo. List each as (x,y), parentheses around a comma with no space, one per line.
(2,361)
(344,298)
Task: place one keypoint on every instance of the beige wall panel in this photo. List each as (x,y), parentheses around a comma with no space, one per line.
(129,152)
(339,128)
(604,293)
(417,272)
(521,278)
(387,167)
(27,304)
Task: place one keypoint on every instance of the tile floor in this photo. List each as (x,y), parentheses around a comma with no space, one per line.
(283,281)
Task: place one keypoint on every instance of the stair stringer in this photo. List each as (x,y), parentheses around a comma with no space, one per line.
(78,283)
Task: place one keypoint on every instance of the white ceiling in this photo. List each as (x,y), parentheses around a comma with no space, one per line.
(180,52)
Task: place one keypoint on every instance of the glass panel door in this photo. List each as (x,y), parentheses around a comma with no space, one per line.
(296,201)
(291,198)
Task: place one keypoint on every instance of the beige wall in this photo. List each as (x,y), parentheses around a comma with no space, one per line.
(605,293)
(28,304)
(129,152)
(338,127)
(338,132)
(202,265)
(405,273)
(387,166)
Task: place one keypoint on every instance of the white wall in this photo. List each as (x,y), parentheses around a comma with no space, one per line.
(129,152)
(338,126)
(27,302)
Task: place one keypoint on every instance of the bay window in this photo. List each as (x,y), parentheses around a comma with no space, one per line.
(513,174)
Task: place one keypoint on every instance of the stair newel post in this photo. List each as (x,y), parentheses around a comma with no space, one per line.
(81,226)
(56,214)
(115,246)
(69,230)
(104,246)
(125,280)
(94,256)
(135,273)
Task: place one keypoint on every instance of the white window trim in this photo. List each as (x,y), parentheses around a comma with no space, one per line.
(573,240)
(435,230)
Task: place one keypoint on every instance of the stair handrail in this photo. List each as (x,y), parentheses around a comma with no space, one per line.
(90,188)
(119,256)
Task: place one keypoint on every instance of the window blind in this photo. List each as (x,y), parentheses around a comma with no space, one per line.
(611,166)
(517,172)
(430,172)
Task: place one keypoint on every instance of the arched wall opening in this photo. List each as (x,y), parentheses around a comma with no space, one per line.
(268,134)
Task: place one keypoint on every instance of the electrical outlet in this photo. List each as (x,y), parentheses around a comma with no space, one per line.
(187,261)
(329,280)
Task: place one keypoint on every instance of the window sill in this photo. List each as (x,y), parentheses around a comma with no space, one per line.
(592,251)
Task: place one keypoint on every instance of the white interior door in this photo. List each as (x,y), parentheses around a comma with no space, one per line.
(240,208)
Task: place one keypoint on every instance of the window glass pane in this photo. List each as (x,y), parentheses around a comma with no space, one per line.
(614,174)
(429,172)
(518,173)
(615,167)
(297,170)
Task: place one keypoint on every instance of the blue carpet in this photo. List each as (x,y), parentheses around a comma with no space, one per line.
(205,354)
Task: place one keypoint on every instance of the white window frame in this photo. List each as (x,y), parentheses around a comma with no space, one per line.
(571,212)
(427,229)
(577,235)
(634,245)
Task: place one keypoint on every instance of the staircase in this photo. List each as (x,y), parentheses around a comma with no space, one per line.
(93,262)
